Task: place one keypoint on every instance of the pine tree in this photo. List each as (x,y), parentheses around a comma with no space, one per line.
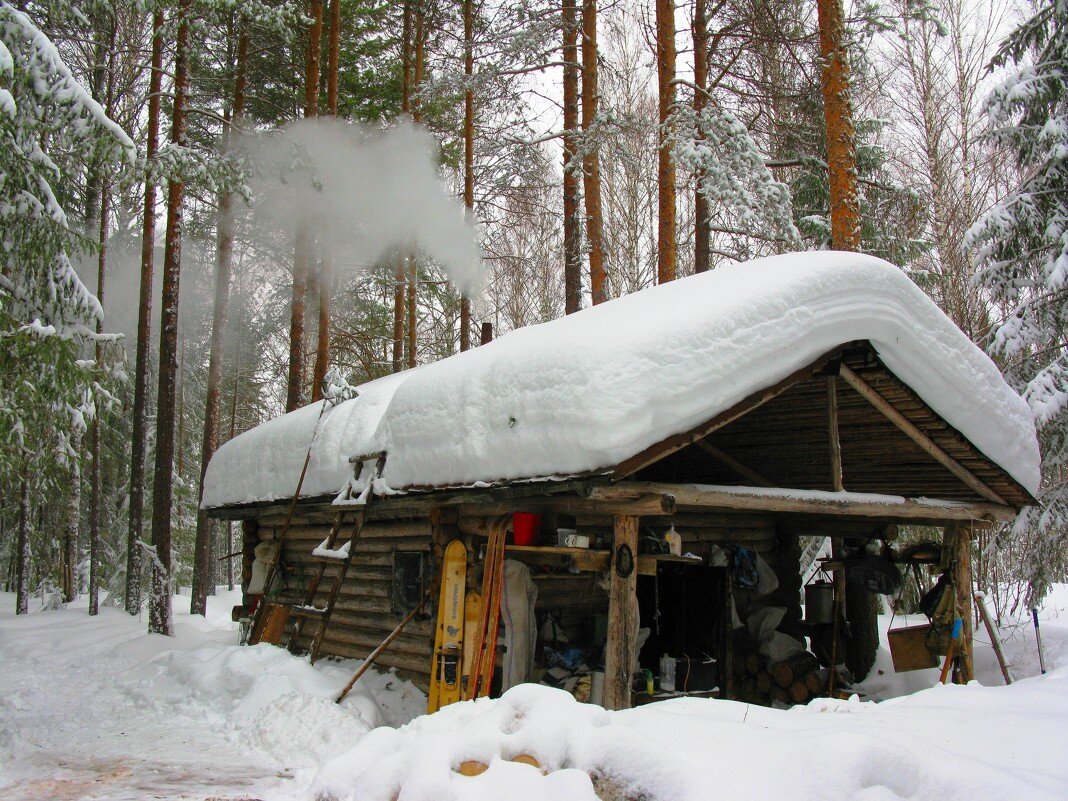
(665,70)
(160,621)
(50,127)
(1020,246)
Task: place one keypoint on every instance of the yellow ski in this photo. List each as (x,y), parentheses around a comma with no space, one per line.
(448,639)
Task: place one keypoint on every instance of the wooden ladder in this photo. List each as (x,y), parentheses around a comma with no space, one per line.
(330,556)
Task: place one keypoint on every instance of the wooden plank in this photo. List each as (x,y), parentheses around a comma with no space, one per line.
(818,503)
(925,442)
(620,649)
(832,433)
(738,467)
(647,562)
(580,558)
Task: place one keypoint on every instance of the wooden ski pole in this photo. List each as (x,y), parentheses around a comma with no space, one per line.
(371,657)
(980,604)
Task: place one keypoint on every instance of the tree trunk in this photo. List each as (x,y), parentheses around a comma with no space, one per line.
(333,57)
(139,446)
(572,234)
(69,545)
(398,314)
(702,223)
(420,32)
(326,272)
(95,501)
(303,244)
(665,71)
(203,563)
(301,255)
(160,602)
(841,136)
(22,563)
(311,59)
(399,272)
(469,153)
(107,77)
(591,167)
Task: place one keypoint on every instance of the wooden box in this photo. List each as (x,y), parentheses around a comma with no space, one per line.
(908,647)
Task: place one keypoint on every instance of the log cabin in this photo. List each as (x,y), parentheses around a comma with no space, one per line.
(756,411)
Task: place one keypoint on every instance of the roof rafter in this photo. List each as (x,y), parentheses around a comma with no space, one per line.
(926,444)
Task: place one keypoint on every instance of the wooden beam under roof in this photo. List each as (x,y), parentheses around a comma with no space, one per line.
(815,502)
(742,469)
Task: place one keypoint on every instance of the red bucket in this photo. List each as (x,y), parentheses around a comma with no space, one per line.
(525,528)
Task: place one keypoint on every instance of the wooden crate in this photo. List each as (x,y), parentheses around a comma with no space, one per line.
(908,647)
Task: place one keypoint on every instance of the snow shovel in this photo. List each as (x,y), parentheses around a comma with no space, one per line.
(951,652)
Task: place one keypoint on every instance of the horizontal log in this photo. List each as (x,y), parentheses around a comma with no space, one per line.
(416,668)
(821,503)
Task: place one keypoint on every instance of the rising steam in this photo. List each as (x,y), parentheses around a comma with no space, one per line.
(362,193)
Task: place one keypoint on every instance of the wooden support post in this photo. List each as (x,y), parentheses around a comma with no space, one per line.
(832,430)
(958,537)
(620,650)
(250,538)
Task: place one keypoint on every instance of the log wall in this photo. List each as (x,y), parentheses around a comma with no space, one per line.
(362,616)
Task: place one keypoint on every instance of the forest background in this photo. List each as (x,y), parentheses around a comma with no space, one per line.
(180,163)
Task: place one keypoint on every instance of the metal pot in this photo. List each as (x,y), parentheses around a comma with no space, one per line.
(819,602)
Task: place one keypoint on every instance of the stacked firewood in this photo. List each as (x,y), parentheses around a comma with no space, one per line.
(793,680)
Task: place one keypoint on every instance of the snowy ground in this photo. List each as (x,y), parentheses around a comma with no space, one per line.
(97,709)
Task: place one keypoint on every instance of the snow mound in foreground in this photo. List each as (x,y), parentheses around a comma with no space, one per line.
(945,743)
(587,391)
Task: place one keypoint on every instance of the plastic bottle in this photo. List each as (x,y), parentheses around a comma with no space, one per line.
(674,541)
(667,673)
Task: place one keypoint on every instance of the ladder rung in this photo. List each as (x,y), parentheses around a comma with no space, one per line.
(307,611)
(328,560)
(367,457)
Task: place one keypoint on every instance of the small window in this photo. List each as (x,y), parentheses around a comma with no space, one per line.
(411,576)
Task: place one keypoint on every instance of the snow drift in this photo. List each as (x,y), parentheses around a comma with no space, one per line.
(589,390)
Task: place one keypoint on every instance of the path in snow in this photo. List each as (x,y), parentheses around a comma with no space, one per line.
(72,730)
(97,709)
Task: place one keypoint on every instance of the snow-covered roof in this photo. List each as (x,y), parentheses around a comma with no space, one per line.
(587,391)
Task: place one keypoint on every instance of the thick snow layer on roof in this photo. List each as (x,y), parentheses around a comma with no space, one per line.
(589,390)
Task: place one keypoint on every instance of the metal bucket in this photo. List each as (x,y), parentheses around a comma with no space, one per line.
(819,602)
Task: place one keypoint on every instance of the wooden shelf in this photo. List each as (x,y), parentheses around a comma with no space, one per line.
(587,559)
